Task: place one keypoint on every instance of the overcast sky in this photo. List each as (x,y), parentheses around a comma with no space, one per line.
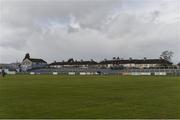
(88,29)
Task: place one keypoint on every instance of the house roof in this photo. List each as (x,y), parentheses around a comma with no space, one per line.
(136,61)
(75,63)
(37,60)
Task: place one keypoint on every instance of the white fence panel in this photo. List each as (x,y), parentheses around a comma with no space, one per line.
(71,73)
(32,73)
(140,73)
(82,73)
(160,73)
(55,73)
(11,72)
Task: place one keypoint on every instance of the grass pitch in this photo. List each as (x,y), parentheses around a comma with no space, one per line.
(48,96)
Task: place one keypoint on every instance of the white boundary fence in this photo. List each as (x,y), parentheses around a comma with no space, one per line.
(98,71)
(174,72)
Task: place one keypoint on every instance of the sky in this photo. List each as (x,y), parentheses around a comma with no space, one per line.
(56,30)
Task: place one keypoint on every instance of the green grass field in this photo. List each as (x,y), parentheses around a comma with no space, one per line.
(48,96)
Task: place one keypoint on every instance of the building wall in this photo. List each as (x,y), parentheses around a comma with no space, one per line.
(35,65)
(129,65)
(26,64)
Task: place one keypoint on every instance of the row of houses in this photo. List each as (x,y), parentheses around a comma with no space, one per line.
(132,63)
(34,63)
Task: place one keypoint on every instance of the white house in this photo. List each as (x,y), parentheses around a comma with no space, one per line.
(31,63)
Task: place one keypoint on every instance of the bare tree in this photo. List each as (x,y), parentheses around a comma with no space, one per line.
(178,64)
(167,55)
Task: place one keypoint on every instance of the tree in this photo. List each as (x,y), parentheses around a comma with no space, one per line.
(71,60)
(167,55)
(178,64)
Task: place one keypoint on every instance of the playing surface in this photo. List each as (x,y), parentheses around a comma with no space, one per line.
(48,96)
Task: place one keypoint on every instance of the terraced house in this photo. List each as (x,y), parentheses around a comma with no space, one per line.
(135,63)
(115,63)
(72,63)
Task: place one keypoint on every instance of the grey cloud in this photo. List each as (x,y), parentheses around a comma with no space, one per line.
(155,15)
(59,29)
